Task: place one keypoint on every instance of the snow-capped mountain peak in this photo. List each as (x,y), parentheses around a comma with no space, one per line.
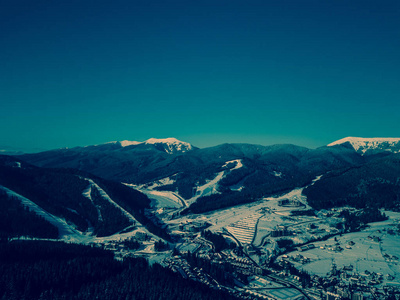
(127,143)
(169,145)
(370,145)
(164,141)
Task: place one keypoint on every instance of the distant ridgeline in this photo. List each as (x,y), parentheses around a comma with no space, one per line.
(264,170)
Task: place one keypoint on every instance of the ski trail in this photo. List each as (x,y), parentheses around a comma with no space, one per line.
(207,189)
(86,193)
(64,229)
(107,197)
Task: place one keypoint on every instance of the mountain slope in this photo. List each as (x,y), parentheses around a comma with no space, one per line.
(168,145)
(62,196)
(121,161)
(266,169)
(370,145)
(18,219)
(374,184)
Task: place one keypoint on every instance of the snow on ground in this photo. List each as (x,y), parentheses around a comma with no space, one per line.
(87,193)
(285,293)
(68,232)
(295,194)
(164,181)
(169,199)
(171,143)
(106,197)
(65,230)
(164,199)
(316,179)
(366,144)
(243,230)
(160,199)
(127,143)
(154,184)
(238,165)
(241,220)
(211,187)
(374,250)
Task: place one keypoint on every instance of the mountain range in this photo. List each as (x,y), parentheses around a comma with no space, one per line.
(264,170)
(367,146)
(98,189)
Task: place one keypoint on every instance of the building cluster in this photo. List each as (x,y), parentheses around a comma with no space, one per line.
(345,282)
(366,285)
(298,258)
(289,202)
(193,226)
(280,230)
(235,266)
(244,266)
(182,267)
(306,247)
(346,294)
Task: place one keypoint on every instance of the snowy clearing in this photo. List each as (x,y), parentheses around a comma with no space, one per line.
(367,251)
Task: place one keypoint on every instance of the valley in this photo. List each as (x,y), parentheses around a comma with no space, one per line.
(316,247)
(244,222)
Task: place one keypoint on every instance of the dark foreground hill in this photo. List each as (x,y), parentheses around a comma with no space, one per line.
(87,203)
(55,270)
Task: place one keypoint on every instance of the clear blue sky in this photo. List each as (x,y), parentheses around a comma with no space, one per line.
(206,72)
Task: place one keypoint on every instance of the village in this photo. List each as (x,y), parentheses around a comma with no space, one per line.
(275,248)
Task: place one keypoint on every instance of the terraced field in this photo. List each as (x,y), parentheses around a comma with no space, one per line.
(244,229)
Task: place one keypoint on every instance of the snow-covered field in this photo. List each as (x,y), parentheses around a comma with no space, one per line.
(244,229)
(161,199)
(165,199)
(371,250)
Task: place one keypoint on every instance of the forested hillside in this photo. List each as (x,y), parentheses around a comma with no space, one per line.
(55,270)
(17,220)
(375,184)
(81,199)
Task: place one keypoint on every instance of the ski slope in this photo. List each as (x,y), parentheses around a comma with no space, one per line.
(65,230)
(105,196)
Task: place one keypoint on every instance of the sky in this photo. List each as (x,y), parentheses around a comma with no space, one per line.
(76,73)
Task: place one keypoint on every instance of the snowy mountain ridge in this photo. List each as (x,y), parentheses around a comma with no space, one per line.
(170,145)
(364,145)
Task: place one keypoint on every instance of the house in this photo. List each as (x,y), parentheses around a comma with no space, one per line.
(141,236)
(194,226)
(282,202)
(280,230)
(306,247)
(288,202)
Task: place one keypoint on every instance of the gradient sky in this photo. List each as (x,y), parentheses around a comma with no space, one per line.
(75,73)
